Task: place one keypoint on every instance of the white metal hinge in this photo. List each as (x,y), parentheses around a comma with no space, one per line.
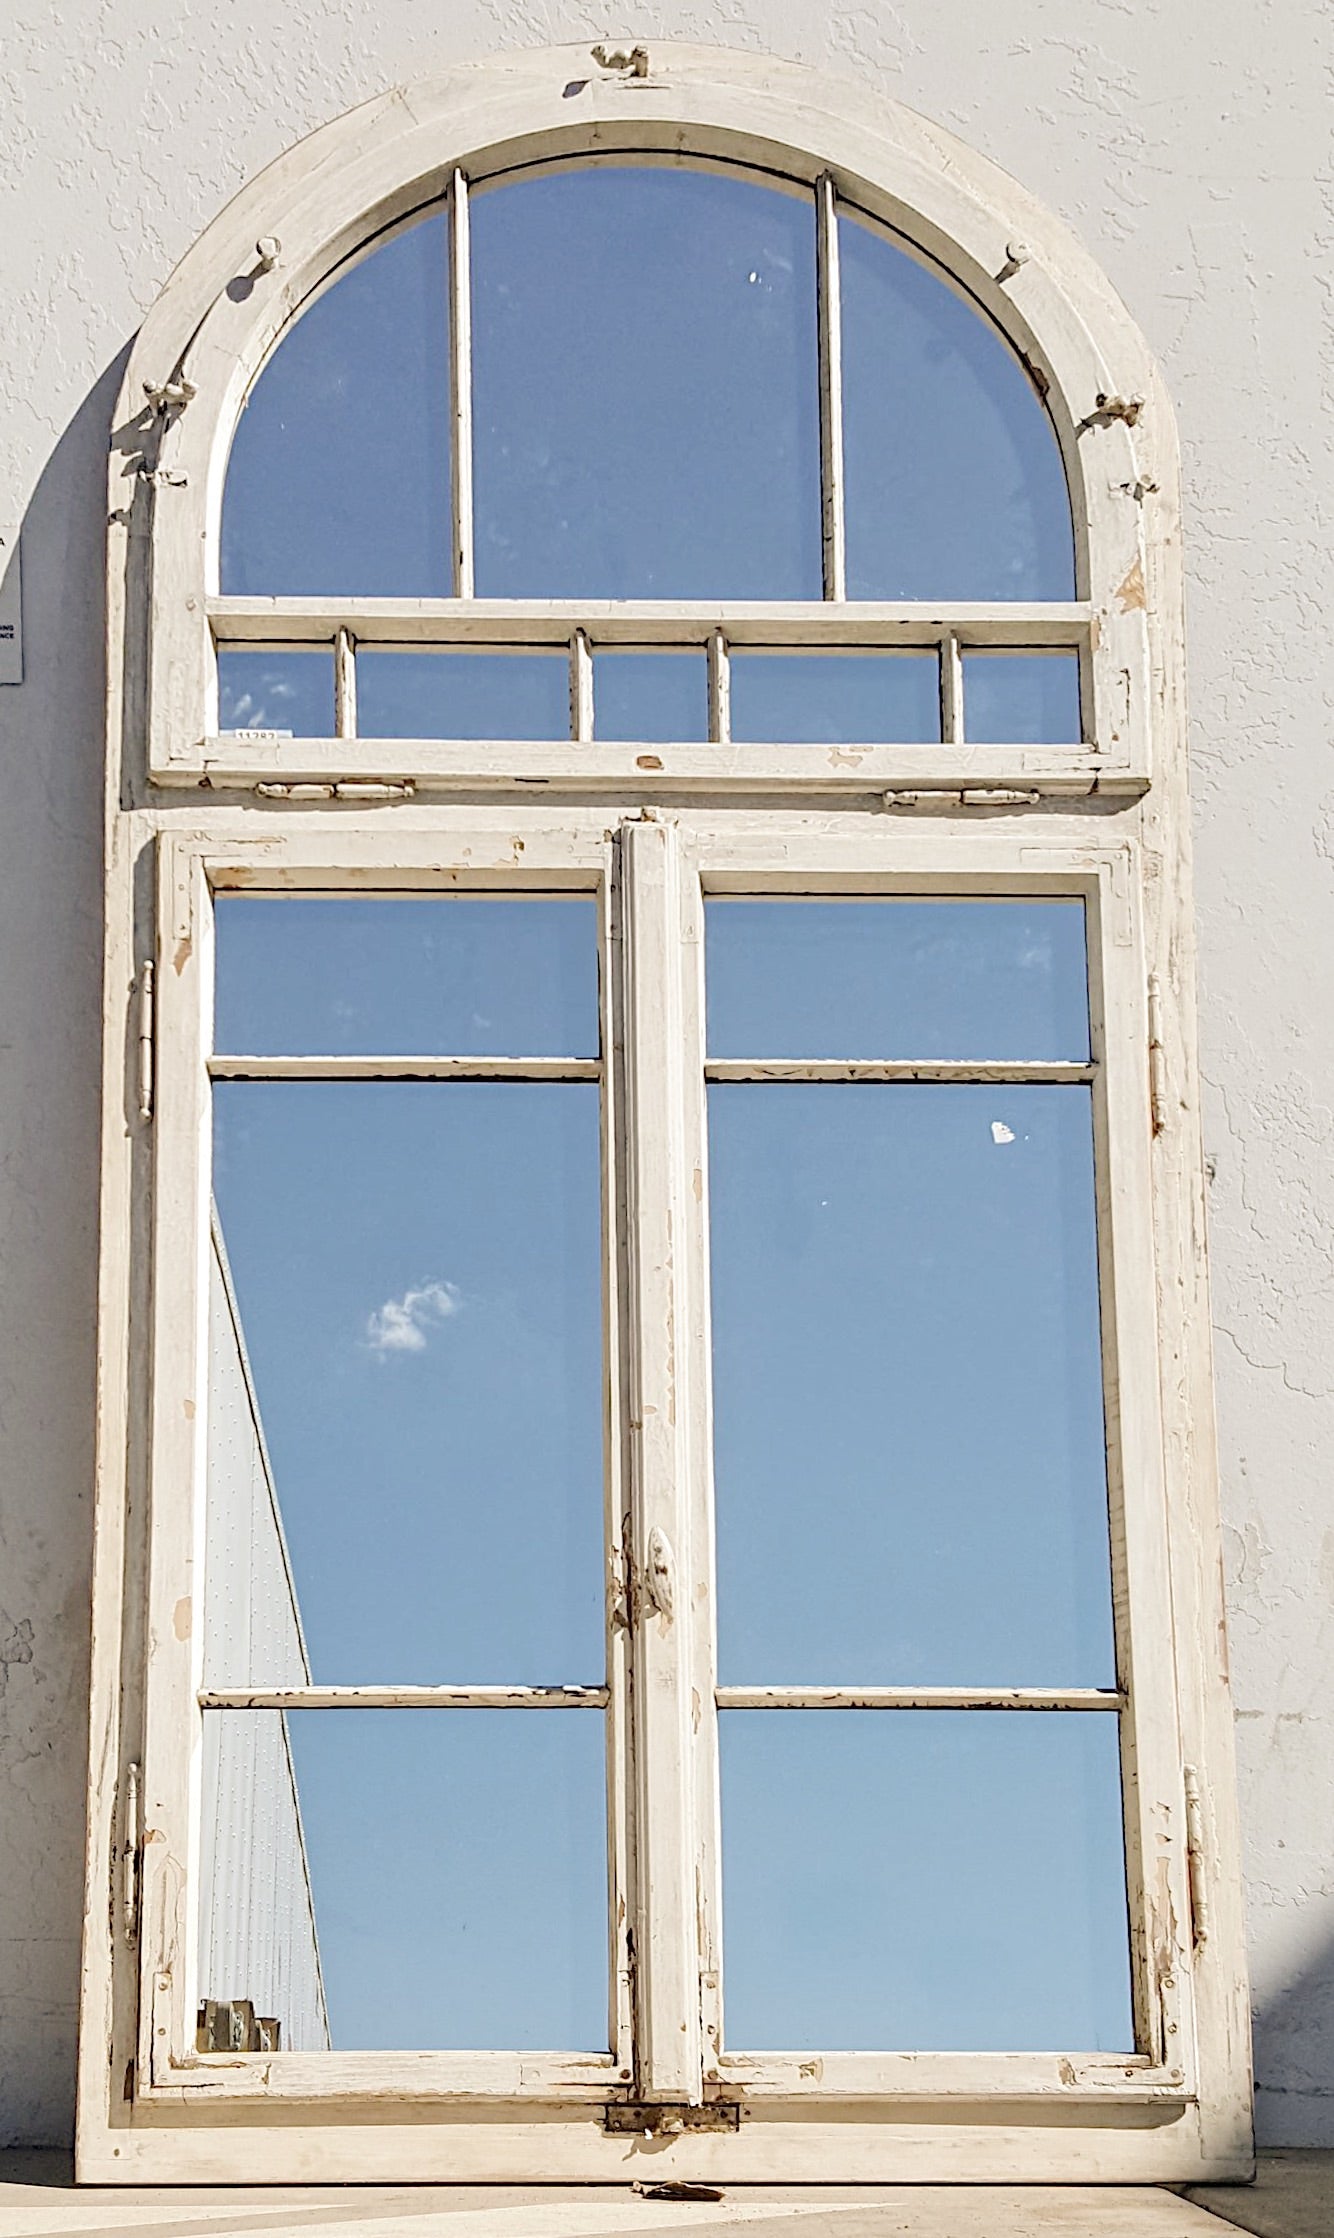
(1195,1858)
(145,1036)
(350,789)
(1157,1057)
(129,1893)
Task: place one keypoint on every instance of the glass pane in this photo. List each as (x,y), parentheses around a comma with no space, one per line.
(954,482)
(463,695)
(1025,699)
(898,979)
(937,1880)
(908,1427)
(650,696)
(417,1267)
(645,397)
(339,476)
(290,692)
(836,698)
(408,1880)
(408,976)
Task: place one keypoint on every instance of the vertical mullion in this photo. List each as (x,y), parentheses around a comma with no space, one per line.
(460,383)
(581,688)
(659,1175)
(951,691)
(695,1339)
(345,685)
(831,390)
(619,1739)
(720,689)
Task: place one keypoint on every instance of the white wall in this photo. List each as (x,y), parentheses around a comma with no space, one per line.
(1185,143)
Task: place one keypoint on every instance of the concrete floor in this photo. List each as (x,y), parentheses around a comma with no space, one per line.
(1293,2198)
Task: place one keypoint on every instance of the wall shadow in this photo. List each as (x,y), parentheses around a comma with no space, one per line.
(51,740)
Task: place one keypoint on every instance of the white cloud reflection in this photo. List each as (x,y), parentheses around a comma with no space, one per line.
(403,1324)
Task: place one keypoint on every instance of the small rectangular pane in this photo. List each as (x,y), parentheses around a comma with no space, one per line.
(288,692)
(405,1426)
(408,1880)
(897,979)
(939,1880)
(409,975)
(908,1425)
(1021,699)
(653,697)
(835,699)
(463,695)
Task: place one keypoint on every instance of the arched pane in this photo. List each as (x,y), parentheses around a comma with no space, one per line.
(954,482)
(645,387)
(339,478)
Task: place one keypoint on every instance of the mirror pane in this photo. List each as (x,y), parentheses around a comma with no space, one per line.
(408,1880)
(406,975)
(463,695)
(292,693)
(897,979)
(908,1428)
(836,698)
(954,482)
(645,401)
(406,1394)
(923,1880)
(339,476)
(1027,699)
(653,697)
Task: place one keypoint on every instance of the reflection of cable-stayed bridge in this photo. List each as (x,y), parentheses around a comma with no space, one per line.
(257,1934)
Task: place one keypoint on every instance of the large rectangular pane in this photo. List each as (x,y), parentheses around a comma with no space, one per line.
(408,1880)
(835,699)
(940,1880)
(645,386)
(410,1389)
(897,979)
(463,695)
(909,1454)
(407,975)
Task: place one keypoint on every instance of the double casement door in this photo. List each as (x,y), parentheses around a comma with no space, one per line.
(659,1609)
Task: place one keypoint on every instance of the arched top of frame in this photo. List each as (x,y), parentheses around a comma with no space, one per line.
(963,245)
(644,402)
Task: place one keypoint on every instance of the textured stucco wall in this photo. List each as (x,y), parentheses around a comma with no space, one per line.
(1190,147)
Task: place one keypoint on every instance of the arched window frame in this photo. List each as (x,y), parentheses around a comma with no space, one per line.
(1105,818)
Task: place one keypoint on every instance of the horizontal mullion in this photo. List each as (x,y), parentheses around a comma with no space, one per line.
(404,1068)
(448,621)
(919,1698)
(404,1698)
(986,1072)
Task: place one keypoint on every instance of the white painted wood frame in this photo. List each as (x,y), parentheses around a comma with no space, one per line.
(651,832)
